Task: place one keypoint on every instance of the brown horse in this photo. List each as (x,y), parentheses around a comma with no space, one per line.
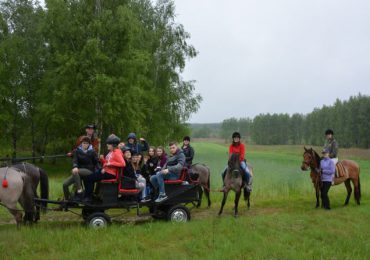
(234,181)
(204,180)
(311,160)
(21,186)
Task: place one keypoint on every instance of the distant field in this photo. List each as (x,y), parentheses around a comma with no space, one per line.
(281,224)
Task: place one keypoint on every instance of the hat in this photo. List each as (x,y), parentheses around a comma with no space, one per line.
(113,139)
(131,136)
(325,150)
(90,126)
(125,149)
(86,139)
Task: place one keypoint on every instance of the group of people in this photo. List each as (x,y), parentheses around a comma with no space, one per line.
(141,172)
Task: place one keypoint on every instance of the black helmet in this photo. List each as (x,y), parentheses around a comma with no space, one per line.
(113,140)
(236,135)
(329,132)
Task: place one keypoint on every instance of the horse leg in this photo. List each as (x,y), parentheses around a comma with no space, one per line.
(16,214)
(349,191)
(226,192)
(27,203)
(237,197)
(200,196)
(206,191)
(247,196)
(317,197)
(356,184)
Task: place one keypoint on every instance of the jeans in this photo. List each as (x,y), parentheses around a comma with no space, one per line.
(141,185)
(324,194)
(74,179)
(95,177)
(158,180)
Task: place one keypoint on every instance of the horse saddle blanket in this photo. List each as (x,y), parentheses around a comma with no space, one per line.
(340,171)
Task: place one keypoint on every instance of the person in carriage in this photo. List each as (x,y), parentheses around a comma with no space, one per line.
(94,140)
(162,158)
(112,163)
(170,171)
(188,151)
(237,147)
(132,174)
(331,145)
(85,161)
(136,147)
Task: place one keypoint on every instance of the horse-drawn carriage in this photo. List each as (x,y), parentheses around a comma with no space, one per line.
(111,195)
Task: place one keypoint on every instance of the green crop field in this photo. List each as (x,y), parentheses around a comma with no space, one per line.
(281,224)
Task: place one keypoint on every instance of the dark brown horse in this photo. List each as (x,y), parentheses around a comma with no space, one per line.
(21,186)
(234,181)
(204,179)
(311,160)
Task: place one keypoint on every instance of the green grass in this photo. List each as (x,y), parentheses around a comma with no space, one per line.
(281,224)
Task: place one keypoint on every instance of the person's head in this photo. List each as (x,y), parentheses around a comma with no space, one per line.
(121,145)
(236,137)
(90,129)
(135,158)
(325,153)
(151,151)
(186,140)
(329,134)
(112,142)
(127,154)
(173,147)
(131,138)
(160,151)
(85,142)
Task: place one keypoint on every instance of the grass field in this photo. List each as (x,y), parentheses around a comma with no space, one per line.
(281,224)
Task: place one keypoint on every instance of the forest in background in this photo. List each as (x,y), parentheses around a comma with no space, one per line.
(114,63)
(349,119)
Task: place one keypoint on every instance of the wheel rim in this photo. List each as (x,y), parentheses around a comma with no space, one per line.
(179,215)
(98,223)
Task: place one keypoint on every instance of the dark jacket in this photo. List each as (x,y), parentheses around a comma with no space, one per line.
(332,146)
(85,159)
(189,154)
(138,147)
(149,167)
(162,160)
(129,178)
(176,162)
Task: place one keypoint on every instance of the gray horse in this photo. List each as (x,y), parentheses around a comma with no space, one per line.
(234,181)
(204,180)
(22,182)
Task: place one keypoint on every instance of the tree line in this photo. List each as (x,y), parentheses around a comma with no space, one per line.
(349,119)
(114,63)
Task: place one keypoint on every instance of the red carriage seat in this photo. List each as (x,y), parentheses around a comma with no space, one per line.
(184,173)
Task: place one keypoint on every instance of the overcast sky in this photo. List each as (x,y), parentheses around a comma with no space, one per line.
(275,56)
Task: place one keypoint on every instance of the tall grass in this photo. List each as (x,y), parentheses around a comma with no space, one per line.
(281,224)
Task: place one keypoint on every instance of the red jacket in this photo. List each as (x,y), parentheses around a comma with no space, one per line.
(113,161)
(239,148)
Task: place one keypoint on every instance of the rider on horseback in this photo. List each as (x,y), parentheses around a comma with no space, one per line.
(331,145)
(238,148)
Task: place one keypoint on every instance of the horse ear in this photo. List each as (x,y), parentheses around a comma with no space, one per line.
(305,148)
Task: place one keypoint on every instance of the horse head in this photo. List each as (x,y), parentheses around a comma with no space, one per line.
(310,159)
(234,165)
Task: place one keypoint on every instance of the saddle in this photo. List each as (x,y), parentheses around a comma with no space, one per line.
(340,171)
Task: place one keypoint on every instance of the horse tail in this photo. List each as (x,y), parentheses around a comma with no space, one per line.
(359,184)
(209,179)
(44,186)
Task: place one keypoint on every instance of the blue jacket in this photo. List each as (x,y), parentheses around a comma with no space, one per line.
(138,147)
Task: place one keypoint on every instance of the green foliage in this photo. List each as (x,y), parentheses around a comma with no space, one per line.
(114,63)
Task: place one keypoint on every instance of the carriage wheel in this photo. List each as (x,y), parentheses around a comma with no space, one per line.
(98,220)
(178,213)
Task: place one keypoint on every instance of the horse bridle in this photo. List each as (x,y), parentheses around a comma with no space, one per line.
(310,164)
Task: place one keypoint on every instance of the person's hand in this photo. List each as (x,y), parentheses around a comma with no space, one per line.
(75,170)
(69,154)
(102,171)
(101,157)
(165,171)
(142,139)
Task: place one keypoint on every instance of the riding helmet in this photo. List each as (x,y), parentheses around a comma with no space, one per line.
(236,135)
(113,140)
(329,132)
